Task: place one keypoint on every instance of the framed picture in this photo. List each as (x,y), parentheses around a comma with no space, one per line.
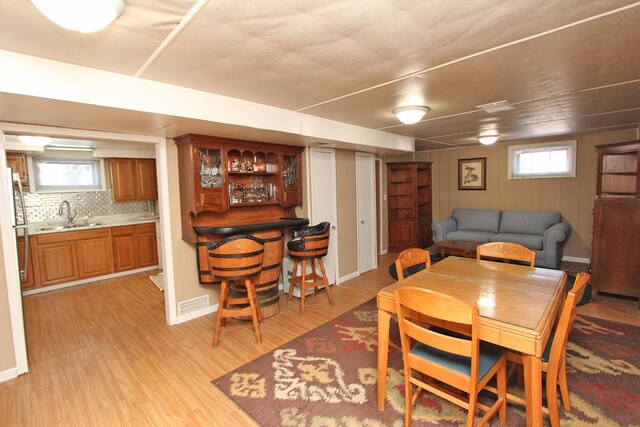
(472,174)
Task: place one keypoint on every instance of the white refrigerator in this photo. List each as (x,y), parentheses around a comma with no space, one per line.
(19,222)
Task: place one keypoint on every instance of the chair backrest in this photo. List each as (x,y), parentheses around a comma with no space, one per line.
(317,229)
(312,242)
(236,257)
(506,250)
(565,322)
(409,258)
(412,303)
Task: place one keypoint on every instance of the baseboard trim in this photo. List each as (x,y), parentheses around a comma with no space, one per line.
(196,314)
(87,280)
(576,259)
(349,276)
(9,374)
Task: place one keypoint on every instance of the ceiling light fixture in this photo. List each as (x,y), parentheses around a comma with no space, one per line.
(84,16)
(488,139)
(36,141)
(410,114)
(69,148)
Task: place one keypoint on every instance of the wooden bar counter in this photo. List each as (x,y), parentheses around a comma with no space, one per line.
(231,187)
(267,282)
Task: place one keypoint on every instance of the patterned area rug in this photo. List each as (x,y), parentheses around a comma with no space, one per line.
(327,377)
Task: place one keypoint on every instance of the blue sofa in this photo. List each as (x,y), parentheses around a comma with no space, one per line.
(541,231)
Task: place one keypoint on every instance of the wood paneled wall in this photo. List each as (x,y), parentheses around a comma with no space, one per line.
(572,197)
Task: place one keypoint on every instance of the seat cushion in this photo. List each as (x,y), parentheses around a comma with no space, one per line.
(477,219)
(528,222)
(527,240)
(489,356)
(409,271)
(473,236)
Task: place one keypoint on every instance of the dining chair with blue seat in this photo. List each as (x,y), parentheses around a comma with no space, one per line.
(461,362)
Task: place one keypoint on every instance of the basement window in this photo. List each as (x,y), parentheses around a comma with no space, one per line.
(548,160)
(60,175)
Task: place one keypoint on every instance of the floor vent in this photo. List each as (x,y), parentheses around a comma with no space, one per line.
(192,305)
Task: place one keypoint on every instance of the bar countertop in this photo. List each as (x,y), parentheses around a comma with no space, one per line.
(249,228)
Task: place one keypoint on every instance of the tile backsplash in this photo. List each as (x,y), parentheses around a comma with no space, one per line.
(43,207)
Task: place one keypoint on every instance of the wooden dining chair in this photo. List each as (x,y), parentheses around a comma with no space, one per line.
(463,363)
(507,251)
(554,364)
(409,258)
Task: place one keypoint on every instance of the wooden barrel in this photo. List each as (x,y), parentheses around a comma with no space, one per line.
(266,283)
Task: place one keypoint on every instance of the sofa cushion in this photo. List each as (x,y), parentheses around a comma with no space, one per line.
(477,219)
(473,236)
(528,222)
(531,241)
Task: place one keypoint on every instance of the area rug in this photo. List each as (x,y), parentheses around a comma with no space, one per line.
(327,377)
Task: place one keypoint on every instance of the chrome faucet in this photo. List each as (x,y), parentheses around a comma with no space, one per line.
(70,217)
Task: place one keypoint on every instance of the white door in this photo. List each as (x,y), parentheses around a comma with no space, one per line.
(366,211)
(322,197)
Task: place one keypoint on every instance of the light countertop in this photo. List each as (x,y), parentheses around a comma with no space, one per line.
(91,223)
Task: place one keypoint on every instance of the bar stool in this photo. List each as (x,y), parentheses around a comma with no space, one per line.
(309,244)
(237,258)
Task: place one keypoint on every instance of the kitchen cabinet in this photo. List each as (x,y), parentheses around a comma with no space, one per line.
(18,164)
(27,282)
(134,246)
(409,205)
(133,179)
(73,255)
(94,256)
(57,262)
(616,228)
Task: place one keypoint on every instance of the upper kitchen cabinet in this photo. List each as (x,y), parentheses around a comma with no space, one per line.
(18,164)
(133,179)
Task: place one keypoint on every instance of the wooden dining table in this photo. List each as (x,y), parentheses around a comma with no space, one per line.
(518,306)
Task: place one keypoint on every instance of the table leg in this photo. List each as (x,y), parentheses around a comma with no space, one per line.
(443,253)
(533,389)
(384,318)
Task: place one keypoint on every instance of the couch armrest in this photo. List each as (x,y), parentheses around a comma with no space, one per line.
(555,234)
(442,227)
(551,246)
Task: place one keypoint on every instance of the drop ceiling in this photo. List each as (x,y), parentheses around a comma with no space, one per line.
(568,67)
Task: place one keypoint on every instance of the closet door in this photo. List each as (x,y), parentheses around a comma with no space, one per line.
(322,197)
(366,211)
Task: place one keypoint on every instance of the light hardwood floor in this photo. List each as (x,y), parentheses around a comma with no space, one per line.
(102,354)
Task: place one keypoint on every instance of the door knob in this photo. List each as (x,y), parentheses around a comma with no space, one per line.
(362,221)
(333,227)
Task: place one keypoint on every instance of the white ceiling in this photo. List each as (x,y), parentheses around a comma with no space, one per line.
(569,66)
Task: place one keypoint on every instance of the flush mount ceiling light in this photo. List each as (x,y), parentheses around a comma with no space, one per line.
(410,114)
(488,139)
(84,16)
(37,141)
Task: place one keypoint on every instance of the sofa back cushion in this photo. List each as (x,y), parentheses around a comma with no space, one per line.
(528,222)
(477,219)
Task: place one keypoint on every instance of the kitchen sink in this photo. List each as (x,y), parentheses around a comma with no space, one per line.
(69,226)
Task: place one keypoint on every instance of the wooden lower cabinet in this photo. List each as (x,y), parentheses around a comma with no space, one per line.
(134,246)
(147,245)
(57,262)
(94,257)
(74,255)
